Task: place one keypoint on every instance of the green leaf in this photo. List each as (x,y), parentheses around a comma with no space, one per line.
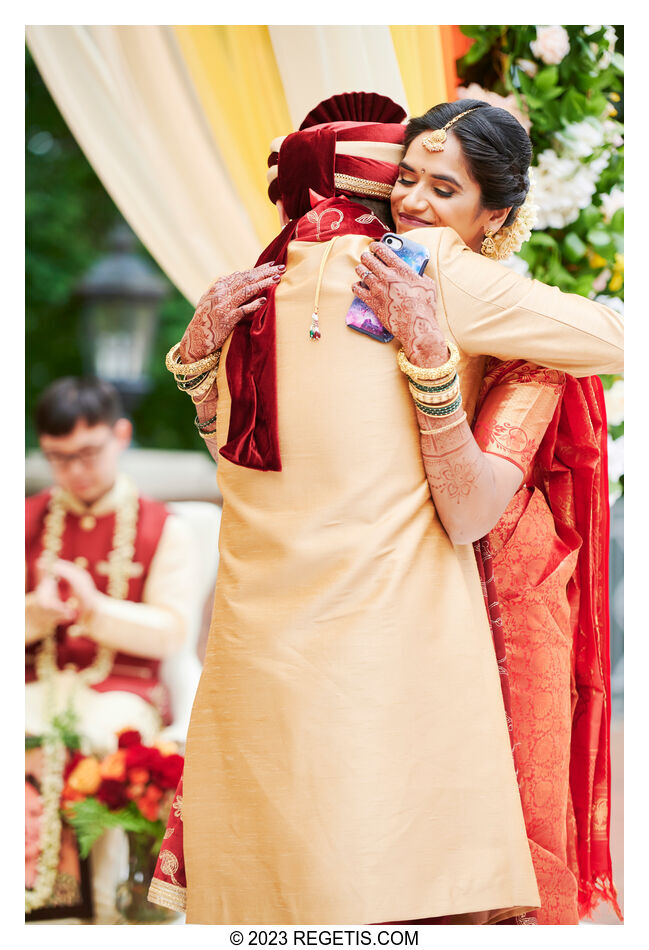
(541,239)
(599,238)
(90,818)
(617,221)
(546,78)
(573,247)
(590,216)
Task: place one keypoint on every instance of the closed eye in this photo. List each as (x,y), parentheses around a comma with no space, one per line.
(438,191)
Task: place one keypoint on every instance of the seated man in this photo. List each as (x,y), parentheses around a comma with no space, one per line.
(109,574)
(111,582)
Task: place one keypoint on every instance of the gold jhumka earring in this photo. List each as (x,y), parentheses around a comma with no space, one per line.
(488,247)
(435,140)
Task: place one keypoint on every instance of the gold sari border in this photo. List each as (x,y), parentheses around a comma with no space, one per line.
(167,895)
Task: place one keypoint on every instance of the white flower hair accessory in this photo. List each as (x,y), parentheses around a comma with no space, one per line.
(509,240)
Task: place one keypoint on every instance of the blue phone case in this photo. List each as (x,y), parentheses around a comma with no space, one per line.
(362,318)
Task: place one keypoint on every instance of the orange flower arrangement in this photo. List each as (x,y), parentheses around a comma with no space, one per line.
(132,787)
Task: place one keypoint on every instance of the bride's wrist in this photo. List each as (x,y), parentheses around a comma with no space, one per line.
(428,354)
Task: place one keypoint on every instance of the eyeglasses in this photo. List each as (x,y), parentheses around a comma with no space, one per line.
(86,457)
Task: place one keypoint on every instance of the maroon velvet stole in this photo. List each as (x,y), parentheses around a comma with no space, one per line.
(253,439)
(135,674)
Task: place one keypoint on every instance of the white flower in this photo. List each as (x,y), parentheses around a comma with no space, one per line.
(580,139)
(615,458)
(564,187)
(612,203)
(528,67)
(614,401)
(612,129)
(589,30)
(551,44)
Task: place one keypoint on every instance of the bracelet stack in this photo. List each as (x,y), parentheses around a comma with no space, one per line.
(436,389)
(196,379)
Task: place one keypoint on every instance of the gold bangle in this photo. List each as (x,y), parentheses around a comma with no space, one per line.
(175,366)
(208,435)
(431,372)
(432,399)
(205,388)
(451,425)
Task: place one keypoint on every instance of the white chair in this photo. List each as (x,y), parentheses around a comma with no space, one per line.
(181,671)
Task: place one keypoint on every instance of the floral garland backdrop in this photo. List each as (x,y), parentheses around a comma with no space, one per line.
(565,84)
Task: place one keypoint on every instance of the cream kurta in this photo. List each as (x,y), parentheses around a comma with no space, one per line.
(348,760)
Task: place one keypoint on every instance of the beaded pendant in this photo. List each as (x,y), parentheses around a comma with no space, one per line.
(314,331)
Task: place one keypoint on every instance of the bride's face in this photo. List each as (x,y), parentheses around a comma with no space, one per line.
(435,189)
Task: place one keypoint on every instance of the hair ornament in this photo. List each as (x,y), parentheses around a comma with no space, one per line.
(435,140)
(509,240)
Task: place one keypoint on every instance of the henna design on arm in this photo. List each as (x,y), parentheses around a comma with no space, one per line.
(469,491)
(222,306)
(219,310)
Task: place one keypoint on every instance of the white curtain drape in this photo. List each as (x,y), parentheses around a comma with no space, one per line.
(316,62)
(174,123)
(127,98)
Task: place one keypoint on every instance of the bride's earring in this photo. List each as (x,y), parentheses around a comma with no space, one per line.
(489,245)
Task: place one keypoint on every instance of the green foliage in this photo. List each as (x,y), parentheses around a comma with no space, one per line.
(569,104)
(65,726)
(90,818)
(68,217)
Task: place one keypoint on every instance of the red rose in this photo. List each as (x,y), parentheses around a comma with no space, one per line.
(112,793)
(168,772)
(128,738)
(142,757)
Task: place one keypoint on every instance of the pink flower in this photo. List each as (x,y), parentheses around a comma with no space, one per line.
(551,44)
(508,103)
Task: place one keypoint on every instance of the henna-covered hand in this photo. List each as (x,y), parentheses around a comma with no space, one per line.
(404,302)
(222,306)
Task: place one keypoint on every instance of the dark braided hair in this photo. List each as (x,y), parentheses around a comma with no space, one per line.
(496,148)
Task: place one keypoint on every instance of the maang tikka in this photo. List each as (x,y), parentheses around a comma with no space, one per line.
(435,140)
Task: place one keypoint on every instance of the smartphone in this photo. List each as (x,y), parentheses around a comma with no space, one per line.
(362,318)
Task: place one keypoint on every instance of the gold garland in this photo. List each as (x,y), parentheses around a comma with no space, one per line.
(120,560)
(508,241)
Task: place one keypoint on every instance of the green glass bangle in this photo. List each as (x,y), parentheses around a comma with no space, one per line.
(192,382)
(435,389)
(443,410)
(201,426)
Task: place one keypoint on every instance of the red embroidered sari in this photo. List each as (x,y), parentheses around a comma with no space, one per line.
(549,557)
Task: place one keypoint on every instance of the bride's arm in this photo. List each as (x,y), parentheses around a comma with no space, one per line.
(492,310)
(470,487)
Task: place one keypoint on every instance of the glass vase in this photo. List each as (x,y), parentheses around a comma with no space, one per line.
(131,896)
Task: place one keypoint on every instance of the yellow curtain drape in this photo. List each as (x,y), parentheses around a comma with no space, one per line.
(129,102)
(420,55)
(238,83)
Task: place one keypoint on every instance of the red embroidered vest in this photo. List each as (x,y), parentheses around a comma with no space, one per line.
(87,540)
